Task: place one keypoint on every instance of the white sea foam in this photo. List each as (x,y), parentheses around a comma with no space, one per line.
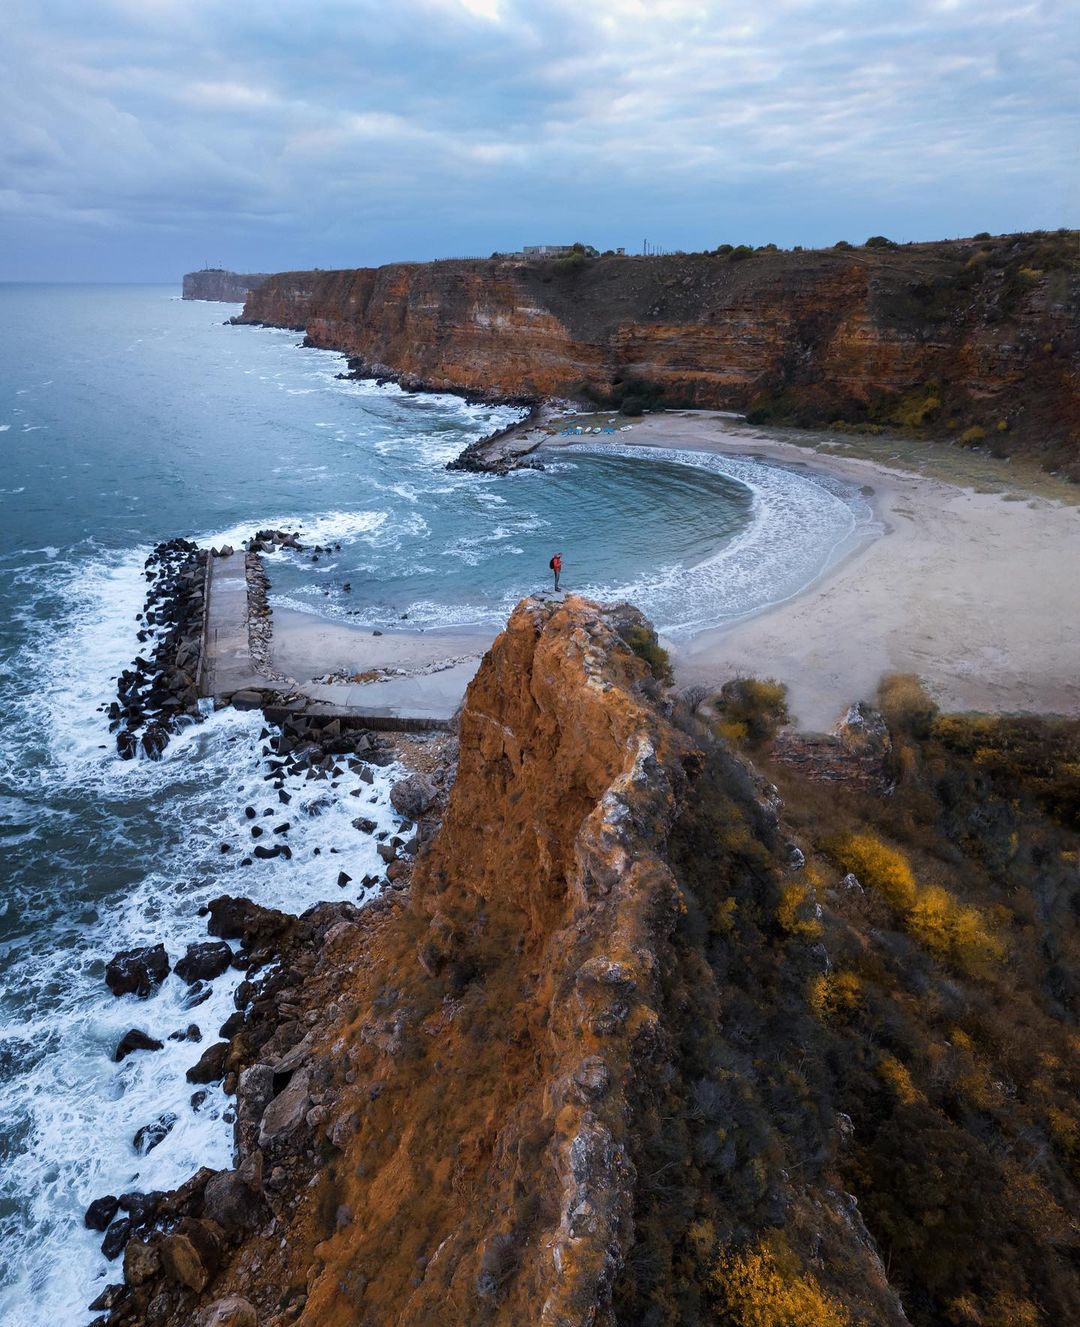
(70,1113)
(801,523)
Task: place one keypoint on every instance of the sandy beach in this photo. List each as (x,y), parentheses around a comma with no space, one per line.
(976,591)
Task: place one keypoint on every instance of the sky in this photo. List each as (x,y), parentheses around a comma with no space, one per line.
(140,139)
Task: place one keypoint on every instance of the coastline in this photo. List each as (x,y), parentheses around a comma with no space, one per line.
(962,586)
(965,588)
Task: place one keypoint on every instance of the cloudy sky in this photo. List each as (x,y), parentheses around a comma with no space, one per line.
(142,138)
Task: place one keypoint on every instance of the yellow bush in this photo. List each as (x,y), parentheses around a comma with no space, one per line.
(905,704)
(972,435)
(795,911)
(835,993)
(951,931)
(750,709)
(1008,1310)
(892,1072)
(763,1286)
(877,866)
(724,916)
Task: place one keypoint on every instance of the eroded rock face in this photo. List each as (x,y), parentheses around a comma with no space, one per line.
(823,334)
(437,1095)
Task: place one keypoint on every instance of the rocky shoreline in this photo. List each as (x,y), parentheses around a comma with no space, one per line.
(158,696)
(173,1243)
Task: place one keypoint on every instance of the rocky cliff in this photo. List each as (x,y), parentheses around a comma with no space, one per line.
(214,283)
(979,338)
(643,1041)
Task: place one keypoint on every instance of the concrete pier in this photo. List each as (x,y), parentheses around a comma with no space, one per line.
(229,675)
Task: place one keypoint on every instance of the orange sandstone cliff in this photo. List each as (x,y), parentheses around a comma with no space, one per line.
(978,337)
(622,1052)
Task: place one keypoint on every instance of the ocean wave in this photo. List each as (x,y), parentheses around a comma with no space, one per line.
(801,522)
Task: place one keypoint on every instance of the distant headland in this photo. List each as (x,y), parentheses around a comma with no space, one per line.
(215,283)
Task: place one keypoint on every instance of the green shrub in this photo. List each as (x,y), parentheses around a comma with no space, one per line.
(750,710)
(572,262)
(881,242)
(642,640)
(843,244)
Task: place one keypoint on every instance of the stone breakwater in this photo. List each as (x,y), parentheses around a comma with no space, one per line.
(160,694)
(503,450)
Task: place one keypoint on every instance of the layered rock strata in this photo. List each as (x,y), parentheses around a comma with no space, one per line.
(942,337)
(214,283)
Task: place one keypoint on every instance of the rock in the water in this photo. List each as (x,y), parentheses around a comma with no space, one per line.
(107,1300)
(148,1137)
(135,1041)
(137,971)
(411,797)
(247,700)
(230,1312)
(204,962)
(210,1066)
(241,919)
(155,740)
(101,1212)
(117,1235)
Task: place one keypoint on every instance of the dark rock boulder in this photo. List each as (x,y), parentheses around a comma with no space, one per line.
(210,1067)
(137,971)
(247,700)
(116,1237)
(204,962)
(135,1041)
(231,1203)
(99,1214)
(241,919)
(150,1135)
(411,796)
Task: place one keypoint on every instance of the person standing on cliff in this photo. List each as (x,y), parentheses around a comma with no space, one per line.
(556,566)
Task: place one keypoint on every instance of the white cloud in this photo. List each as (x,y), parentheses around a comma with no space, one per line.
(410,117)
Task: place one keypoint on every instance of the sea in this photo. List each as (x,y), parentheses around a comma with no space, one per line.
(128,416)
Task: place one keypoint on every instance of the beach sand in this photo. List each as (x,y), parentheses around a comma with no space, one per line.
(977,592)
(974,585)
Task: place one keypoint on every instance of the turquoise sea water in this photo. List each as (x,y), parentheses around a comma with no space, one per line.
(126,417)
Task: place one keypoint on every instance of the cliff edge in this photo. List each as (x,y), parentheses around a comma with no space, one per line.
(216,284)
(653,1039)
(976,340)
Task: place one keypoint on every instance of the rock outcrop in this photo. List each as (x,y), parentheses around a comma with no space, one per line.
(623,1051)
(214,283)
(944,338)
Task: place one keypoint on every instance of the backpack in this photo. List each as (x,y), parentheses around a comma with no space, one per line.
(551,564)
